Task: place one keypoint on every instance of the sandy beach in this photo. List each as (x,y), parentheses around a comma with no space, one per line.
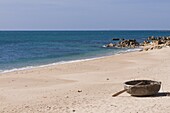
(87,86)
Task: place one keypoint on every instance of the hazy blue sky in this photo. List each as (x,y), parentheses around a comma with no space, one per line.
(85,14)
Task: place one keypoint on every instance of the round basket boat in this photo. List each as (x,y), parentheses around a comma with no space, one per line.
(142,87)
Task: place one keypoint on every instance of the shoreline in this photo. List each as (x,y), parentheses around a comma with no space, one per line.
(87,86)
(67,62)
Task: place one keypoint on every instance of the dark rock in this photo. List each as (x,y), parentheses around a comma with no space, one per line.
(115,39)
(145,42)
(151,48)
(79,91)
(146,49)
(151,38)
(122,39)
(159,47)
(157,42)
(111,45)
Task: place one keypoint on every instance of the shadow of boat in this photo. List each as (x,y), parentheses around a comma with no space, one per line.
(162,94)
(159,94)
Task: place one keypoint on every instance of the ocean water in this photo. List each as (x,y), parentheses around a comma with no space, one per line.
(20,49)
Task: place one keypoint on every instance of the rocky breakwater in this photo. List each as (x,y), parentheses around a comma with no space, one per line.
(150,43)
(124,44)
(156,43)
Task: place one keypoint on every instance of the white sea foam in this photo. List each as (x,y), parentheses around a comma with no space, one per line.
(128,51)
(66,62)
(133,50)
(104,46)
(47,65)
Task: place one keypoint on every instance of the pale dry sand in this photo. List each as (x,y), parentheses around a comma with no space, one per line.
(54,89)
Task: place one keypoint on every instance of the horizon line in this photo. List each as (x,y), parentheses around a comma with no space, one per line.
(84,30)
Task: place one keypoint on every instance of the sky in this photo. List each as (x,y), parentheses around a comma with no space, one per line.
(84,15)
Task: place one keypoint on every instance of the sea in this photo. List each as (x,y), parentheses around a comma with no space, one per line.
(30,49)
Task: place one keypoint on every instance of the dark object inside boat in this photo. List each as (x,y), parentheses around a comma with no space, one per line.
(142,87)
